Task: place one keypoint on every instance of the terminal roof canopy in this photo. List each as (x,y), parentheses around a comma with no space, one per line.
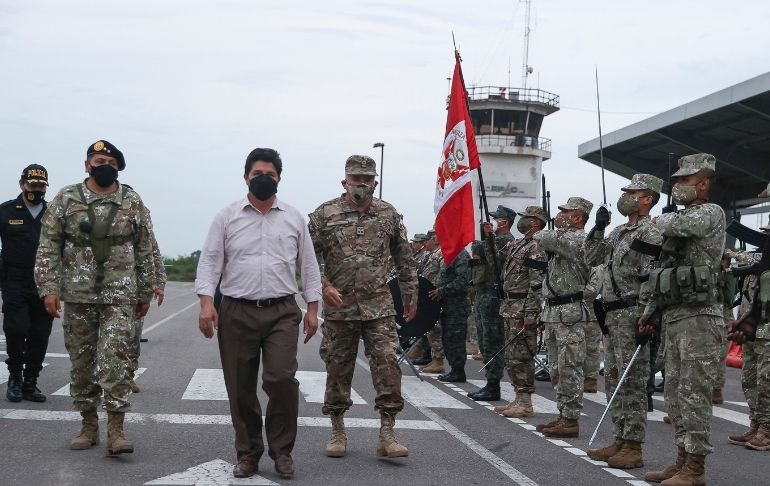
(732,124)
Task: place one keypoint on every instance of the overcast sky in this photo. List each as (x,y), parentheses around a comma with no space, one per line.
(187,88)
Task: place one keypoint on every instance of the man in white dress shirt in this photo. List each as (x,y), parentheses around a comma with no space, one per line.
(255,246)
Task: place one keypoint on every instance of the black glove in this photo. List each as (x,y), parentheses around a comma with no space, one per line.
(602,218)
(671,208)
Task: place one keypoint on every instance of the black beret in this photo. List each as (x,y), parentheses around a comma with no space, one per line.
(104,147)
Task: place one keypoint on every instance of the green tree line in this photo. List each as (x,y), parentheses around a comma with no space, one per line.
(182,268)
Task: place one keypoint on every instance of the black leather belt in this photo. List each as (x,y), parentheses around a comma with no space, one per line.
(515,295)
(263,302)
(623,303)
(565,299)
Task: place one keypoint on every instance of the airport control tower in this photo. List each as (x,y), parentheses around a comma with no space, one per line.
(507,124)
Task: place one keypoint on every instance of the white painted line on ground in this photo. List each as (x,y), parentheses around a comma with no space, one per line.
(4,373)
(740,404)
(312,384)
(559,443)
(638,482)
(517,420)
(619,473)
(47,355)
(163,321)
(575,450)
(739,418)
(212,473)
(423,394)
(528,426)
(206,384)
(194,419)
(514,474)
(539,404)
(595,463)
(65,390)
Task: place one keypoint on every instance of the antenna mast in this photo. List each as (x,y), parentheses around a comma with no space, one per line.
(526,69)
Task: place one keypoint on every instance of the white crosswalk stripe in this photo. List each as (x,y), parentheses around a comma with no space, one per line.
(423,394)
(312,385)
(539,404)
(4,373)
(65,390)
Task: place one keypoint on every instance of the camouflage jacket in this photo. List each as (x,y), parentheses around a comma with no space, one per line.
(567,272)
(623,266)
(158,266)
(421,260)
(353,248)
(519,279)
(453,281)
(702,229)
(65,263)
(432,266)
(594,287)
(488,269)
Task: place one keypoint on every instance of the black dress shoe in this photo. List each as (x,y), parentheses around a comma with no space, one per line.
(490,393)
(30,391)
(543,375)
(245,468)
(284,466)
(14,394)
(453,377)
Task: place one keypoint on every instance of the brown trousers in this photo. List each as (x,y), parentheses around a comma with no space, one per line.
(246,331)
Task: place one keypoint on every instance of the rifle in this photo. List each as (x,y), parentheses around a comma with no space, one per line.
(746,326)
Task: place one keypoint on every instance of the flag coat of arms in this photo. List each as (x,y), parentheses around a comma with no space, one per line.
(453,203)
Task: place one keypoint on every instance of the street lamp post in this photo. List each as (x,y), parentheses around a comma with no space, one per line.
(382,158)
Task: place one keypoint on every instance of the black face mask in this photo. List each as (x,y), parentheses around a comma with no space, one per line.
(263,187)
(104,175)
(34,197)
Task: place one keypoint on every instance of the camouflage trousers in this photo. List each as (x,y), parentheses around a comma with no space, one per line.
(339,349)
(569,343)
(473,327)
(519,354)
(693,348)
(434,341)
(610,381)
(629,410)
(593,336)
(133,352)
(719,382)
(755,379)
(98,339)
(491,333)
(454,329)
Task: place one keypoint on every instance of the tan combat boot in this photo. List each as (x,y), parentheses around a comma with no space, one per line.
(522,409)
(415,353)
(590,385)
(339,441)
(435,366)
(605,453)
(716,396)
(89,432)
(761,440)
(542,427)
(693,473)
(670,471)
(388,445)
(501,408)
(116,441)
(565,428)
(667,419)
(629,457)
(742,439)
(134,387)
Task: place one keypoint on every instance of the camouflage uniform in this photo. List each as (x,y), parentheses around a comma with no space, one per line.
(353,248)
(453,284)
(97,322)
(565,323)
(431,272)
(592,330)
(521,302)
(623,268)
(159,282)
(694,331)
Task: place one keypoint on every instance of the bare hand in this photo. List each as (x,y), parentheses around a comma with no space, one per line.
(645,324)
(529,323)
(310,325)
(159,294)
(142,308)
(735,333)
(52,305)
(488,229)
(409,312)
(332,296)
(208,320)
(434,294)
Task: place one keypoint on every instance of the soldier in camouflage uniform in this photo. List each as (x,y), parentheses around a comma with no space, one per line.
(490,325)
(95,255)
(565,314)
(353,235)
(692,312)
(755,374)
(159,286)
(431,272)
(421,254)
(623,269)
(593,333)
(520,308)
(452,290)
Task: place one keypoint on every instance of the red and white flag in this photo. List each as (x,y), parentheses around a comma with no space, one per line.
(453,205)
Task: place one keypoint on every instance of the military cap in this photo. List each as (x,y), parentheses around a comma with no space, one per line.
(431,234)
(535,212)
(503,212)
(420,237)
(35,174)
(577,203)
(692,164)
(360,164)
(103,147)
(644,181)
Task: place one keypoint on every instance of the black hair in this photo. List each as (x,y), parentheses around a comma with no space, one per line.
(265,155)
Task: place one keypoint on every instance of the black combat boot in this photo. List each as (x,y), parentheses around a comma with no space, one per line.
(14,387)
(490,392)
(30,391)
(454,376)
(543,375)
(424,359)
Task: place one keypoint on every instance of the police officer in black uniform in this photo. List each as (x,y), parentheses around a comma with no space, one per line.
(26,324)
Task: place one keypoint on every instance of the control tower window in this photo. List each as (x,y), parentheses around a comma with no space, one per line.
(482,121)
